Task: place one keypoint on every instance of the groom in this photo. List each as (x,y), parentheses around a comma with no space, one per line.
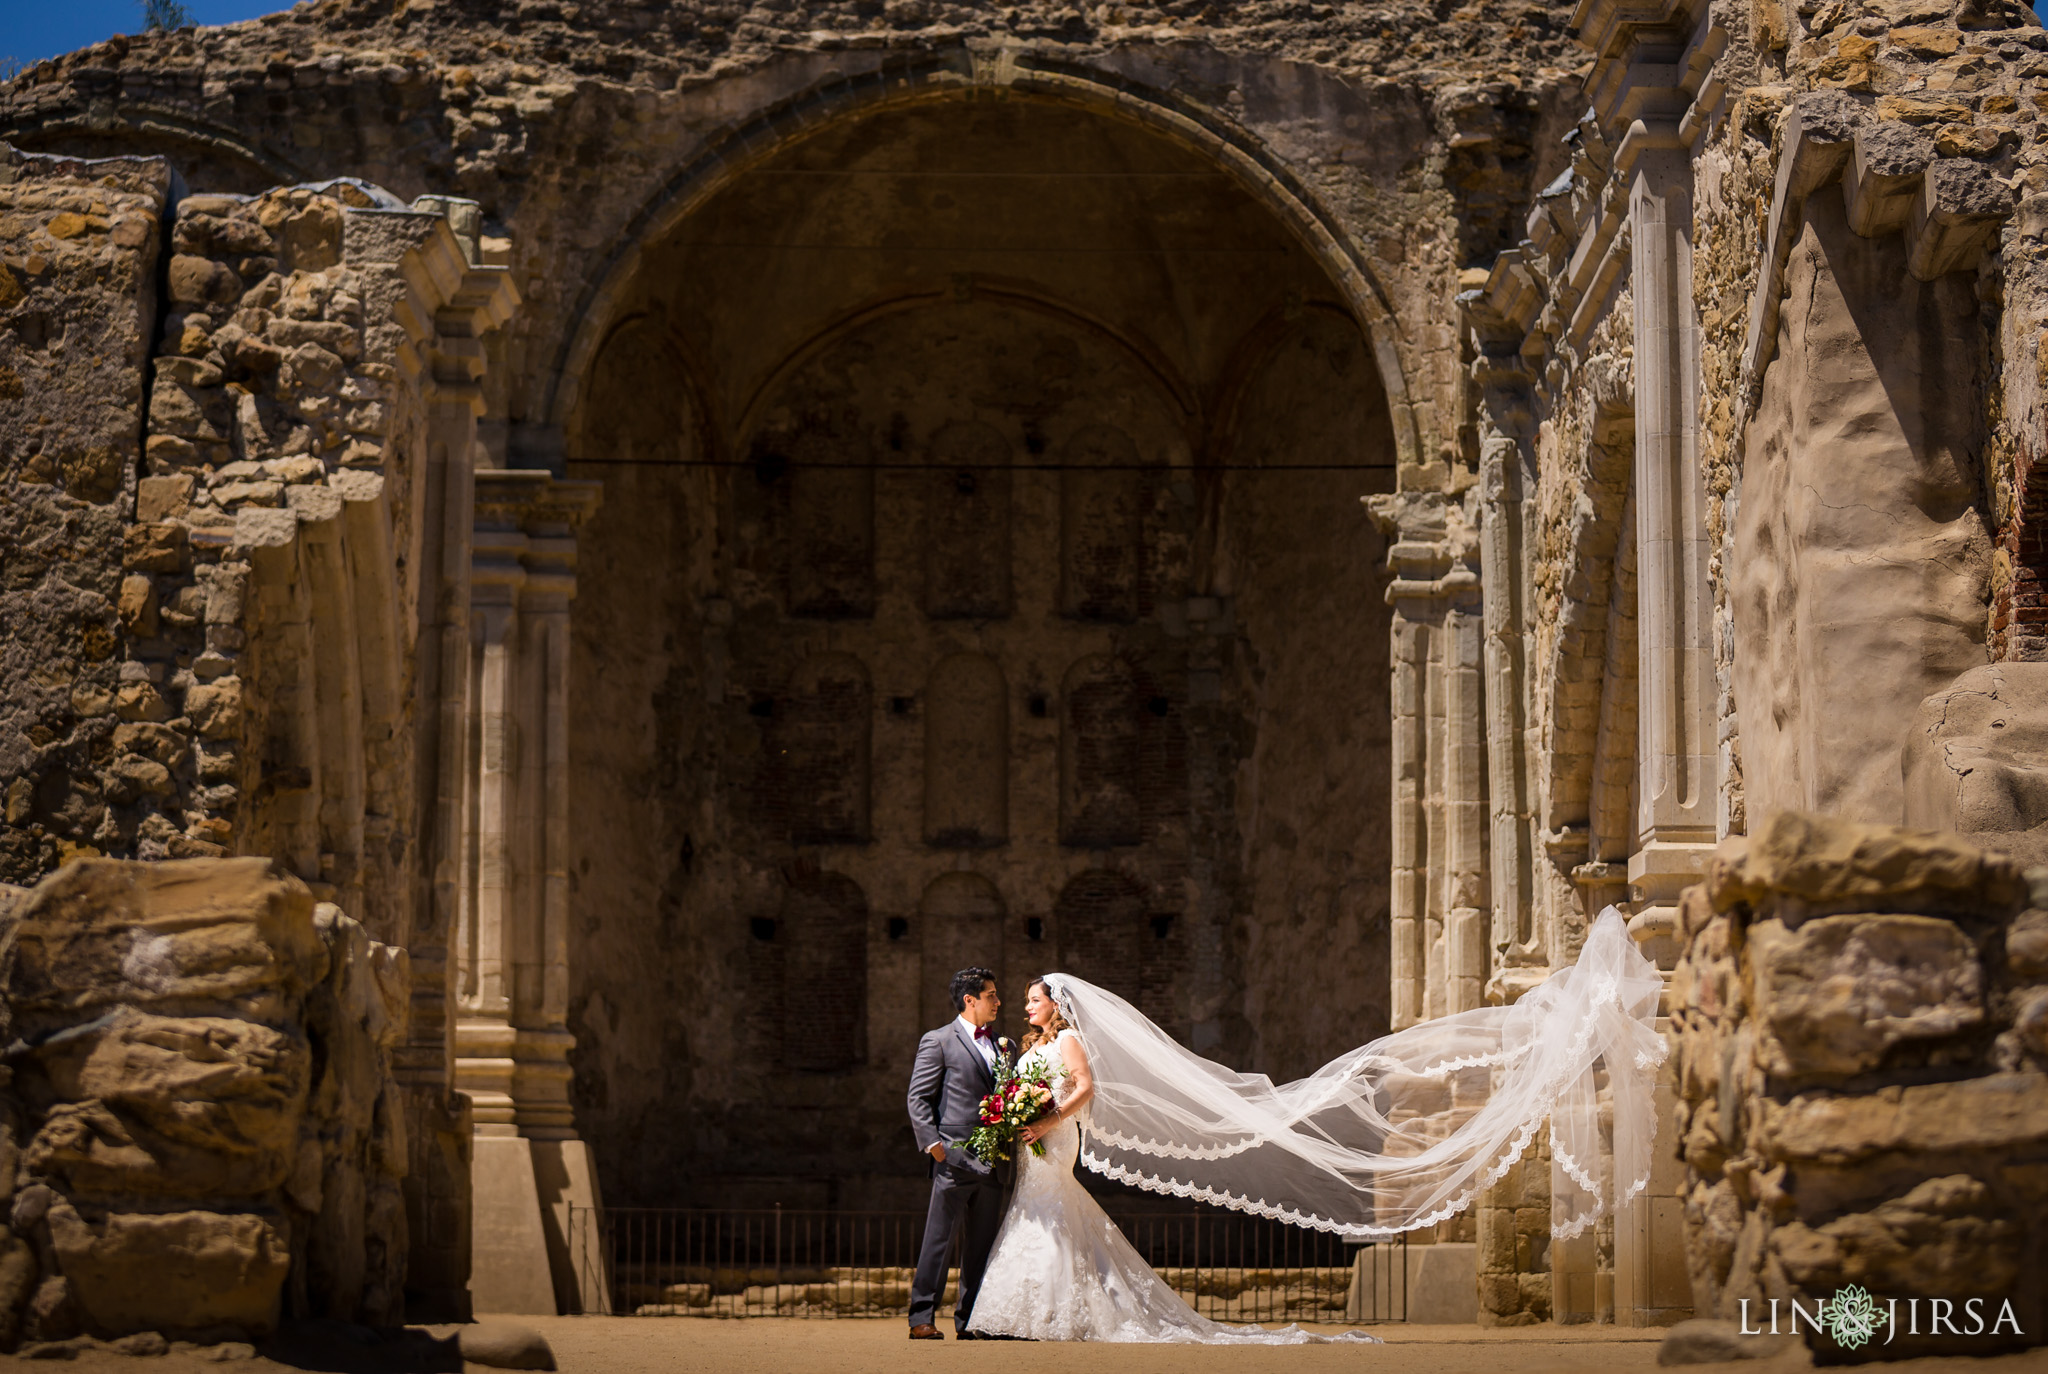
(955,1069)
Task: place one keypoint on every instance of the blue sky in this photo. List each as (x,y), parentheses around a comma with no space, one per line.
(31,30)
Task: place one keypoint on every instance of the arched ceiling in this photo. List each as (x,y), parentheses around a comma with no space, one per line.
(1019,200)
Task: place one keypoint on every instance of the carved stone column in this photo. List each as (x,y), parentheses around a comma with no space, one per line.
(451,304)
(1677,786)
(1440,926)
(512,1039)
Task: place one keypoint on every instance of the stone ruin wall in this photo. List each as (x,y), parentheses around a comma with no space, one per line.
(200,1129)
(1842,1122)
(1952,99)
(270,388)
(79,266)
(230,571)
(1508,435)
(1810,129)
(1862,1033)
(506,109)
(1392,120)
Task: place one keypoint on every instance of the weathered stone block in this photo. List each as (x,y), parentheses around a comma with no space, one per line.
(137,606)
(140,701)
(1948,1237)
(209,1078)
(202,281)
(215,708)
(159,742)
(155,548)
(312,237)
(194,1107)
(1973,759)
(1995,1112)
(1839,992)
(1825,861)
(2026,944)
(172,1272)
(132,777)
(235,934)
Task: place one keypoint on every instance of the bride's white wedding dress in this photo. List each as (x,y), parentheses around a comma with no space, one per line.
(1389,1137)
(1062,1271)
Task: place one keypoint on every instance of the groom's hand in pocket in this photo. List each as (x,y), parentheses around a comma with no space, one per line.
(965,1165)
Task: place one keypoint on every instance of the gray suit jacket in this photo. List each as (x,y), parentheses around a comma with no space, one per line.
(947,1082)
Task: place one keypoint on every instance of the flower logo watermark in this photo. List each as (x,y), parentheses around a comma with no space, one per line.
(1852,1316)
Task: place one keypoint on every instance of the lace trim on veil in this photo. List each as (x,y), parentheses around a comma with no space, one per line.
(1604,995)
(1152,1183)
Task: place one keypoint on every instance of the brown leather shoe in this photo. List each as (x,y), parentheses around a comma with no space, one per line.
(927,1332)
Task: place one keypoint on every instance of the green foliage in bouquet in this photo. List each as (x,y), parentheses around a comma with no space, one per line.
(1020,1098)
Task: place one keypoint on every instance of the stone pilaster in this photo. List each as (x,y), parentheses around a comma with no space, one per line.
(512,987)
(1440,926)
(454,302)
(1676,788)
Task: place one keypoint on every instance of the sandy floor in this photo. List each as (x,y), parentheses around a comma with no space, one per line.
(601,1345)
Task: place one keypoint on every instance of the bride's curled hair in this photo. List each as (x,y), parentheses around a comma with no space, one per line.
(1037,1035)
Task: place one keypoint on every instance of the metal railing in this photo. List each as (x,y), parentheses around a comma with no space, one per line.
(784,1262)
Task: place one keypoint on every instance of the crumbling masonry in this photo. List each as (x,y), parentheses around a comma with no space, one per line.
(547,527)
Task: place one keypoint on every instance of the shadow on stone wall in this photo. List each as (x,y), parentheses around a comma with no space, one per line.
(1862,1027)
(199,1131)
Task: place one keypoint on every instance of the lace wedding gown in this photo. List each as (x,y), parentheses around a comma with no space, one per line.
(1386,1138)
(1061,1271)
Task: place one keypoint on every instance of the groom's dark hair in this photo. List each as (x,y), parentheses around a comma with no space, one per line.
(969,982)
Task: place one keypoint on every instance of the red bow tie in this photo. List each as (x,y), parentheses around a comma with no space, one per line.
(983,1033)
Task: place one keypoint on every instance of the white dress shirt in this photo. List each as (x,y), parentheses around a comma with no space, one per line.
(987,1047)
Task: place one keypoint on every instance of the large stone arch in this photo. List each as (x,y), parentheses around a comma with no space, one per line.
(953,296)
(1171,380)
(215,156)
(748,142)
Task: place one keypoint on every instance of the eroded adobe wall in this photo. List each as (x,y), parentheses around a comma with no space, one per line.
(1948,98)
(1860,1034)
(78,264)
(201,1128)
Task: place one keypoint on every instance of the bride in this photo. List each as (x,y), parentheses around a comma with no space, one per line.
(1398,1134)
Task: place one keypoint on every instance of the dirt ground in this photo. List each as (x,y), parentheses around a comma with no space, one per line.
(652,1345)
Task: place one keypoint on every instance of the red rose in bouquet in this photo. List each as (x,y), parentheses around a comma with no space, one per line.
(1020,1098)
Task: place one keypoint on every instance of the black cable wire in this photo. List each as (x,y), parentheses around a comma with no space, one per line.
(778,467)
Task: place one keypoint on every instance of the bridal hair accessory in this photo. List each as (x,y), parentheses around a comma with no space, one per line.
(1403,1132)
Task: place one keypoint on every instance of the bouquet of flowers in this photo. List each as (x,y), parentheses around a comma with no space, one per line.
(1020,1098)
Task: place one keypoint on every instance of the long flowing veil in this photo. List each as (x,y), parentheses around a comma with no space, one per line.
(1400,1133)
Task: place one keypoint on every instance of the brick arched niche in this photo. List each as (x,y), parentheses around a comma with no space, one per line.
(821,943)
(1101,754)
(960,920)
(831,542)
(1106,935)
(818,752)
(967,523)
(966,753)
(1103,489)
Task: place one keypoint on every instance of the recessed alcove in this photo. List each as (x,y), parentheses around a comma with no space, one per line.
(983,537)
